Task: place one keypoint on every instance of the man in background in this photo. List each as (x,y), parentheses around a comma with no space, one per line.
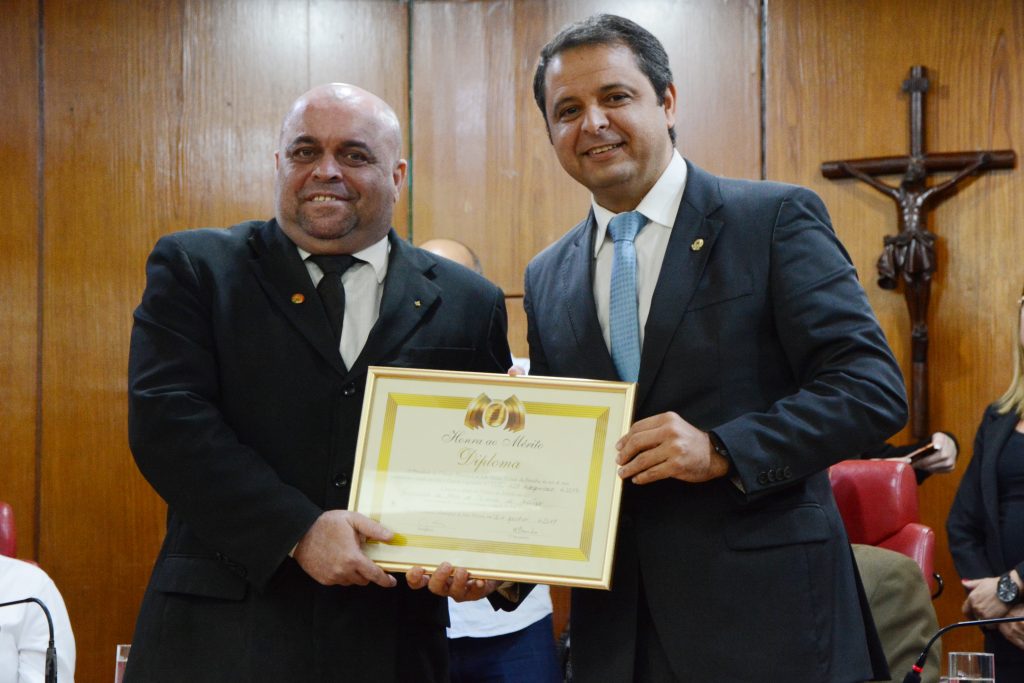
(247,370)
(759,363)
(498,646)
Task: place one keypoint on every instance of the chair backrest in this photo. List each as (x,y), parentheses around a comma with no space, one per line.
(8,538)
(878,502)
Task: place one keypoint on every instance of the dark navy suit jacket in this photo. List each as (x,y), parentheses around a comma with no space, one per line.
(244,419)
(759,331)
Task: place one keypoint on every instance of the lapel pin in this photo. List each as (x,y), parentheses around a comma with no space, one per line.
(417,303)
(298,298)
(697,244)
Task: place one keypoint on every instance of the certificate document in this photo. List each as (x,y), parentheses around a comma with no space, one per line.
(510,477)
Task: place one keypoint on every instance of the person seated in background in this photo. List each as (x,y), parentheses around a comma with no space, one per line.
(986,522)
(24,632)
(941,460)
(485,645)
(895,588)
(902,609)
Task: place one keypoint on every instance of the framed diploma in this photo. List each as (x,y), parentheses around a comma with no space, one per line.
(513,478)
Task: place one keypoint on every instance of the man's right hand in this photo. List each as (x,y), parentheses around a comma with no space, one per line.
(331,551)
(981,602)
(944,457)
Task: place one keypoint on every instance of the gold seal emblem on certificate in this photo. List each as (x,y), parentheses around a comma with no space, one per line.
(509,413)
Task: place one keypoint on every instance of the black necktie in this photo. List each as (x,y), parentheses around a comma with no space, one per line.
(330,289)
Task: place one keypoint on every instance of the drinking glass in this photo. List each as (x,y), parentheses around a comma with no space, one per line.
(121,661)
(972,667)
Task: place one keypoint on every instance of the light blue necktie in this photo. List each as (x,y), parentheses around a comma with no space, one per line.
(623,316)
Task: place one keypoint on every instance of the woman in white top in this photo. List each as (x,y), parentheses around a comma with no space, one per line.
(24,633)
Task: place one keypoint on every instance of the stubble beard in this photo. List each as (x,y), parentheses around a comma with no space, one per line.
(328,228)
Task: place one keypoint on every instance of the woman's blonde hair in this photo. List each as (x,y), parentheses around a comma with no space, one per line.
(1013,399)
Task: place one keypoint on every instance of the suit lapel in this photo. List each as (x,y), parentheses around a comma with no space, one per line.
(681,270)
(283,276)
(577,280)
(409,294)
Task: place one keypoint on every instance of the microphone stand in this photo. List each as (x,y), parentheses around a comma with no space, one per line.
(914,675)
(51,651)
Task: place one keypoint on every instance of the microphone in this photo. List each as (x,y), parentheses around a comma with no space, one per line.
(51,651)
(914,675)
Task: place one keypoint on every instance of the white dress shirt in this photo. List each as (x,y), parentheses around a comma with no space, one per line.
(364,288)
(659,206)
(24,633)
(477,619)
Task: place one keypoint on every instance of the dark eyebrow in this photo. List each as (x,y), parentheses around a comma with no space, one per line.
(359,144)
(310,140)
(616,86)
(557,104)
(302,140)
(603,90)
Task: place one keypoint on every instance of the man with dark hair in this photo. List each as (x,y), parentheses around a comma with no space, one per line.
(608,29)
(759,363)
(247,370)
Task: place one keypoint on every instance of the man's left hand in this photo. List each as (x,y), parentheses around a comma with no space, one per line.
(664,446)
(1013,631)
(450,582)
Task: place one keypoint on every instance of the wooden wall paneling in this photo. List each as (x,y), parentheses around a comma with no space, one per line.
(19,267)
(160,116)
(834,71)
(111,99)
(483,169)
(365,42)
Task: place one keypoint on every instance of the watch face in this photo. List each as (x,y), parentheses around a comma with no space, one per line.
(1007,590)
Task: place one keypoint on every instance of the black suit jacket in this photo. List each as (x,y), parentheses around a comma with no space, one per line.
(759,331)
(244,419)
(973,522)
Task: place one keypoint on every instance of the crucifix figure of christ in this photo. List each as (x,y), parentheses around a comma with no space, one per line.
(909,255)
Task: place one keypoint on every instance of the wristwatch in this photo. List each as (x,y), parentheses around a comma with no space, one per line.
(1007,590)
(719,447)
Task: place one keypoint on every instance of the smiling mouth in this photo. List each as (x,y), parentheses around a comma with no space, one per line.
(324,198)
(595,151)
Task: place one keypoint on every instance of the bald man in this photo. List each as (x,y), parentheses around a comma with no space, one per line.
(453,250)
(246,376)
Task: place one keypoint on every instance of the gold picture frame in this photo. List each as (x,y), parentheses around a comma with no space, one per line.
(513,478)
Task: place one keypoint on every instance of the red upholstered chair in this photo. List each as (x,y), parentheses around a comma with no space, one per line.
(8,539)
(878,502)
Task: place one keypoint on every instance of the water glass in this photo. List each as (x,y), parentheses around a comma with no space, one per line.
(121,661)
(972,667)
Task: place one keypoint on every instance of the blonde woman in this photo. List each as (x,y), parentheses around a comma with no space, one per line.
(986,522)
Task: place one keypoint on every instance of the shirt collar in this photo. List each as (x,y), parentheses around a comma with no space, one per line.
(660,205)
(376,255)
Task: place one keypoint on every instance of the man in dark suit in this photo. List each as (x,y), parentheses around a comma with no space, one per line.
(759,364)
(246,378)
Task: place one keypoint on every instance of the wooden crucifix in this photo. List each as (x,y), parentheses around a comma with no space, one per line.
(909,255)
